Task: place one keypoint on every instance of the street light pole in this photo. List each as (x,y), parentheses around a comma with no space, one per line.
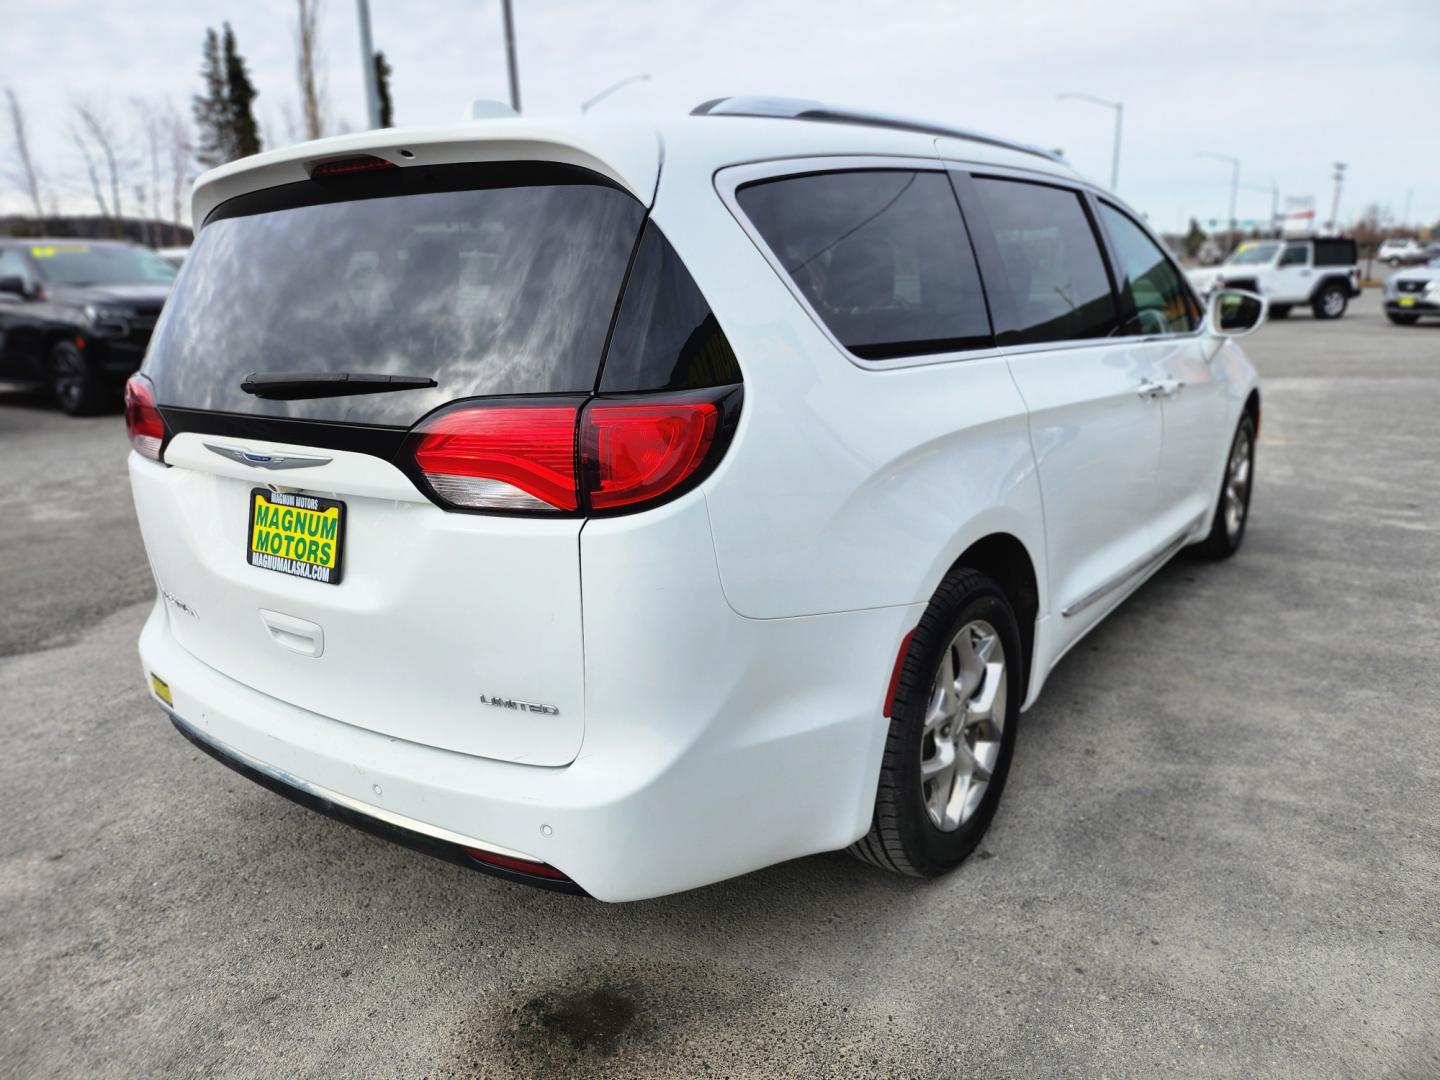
(510,54)
(367,63)
(1119,108)
(617,85)
(1234,185)
(1335,202)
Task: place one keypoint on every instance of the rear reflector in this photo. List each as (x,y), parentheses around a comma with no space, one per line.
(523,866)
(637,452)
(499,457)
(142,420)
(345,166)
(895,674)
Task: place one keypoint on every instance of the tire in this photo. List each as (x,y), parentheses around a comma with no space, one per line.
(1330,302)
(1279,311)
(1402,320)
(74,384)
(969,620)
(1226,533)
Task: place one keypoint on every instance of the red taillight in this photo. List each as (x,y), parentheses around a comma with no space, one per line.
(637,452)
(347,166)
(524,866)
(545,456)
(142,419)
(499,457)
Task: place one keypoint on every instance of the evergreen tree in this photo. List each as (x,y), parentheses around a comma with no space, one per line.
(382,90)
(1194,239)
(240,94)
(224,113)
(212,109)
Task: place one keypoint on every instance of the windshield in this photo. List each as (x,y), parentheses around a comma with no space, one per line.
(494,279)
(1253,254)
(101,264)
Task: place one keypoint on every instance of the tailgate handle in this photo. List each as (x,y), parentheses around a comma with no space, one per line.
(297,635)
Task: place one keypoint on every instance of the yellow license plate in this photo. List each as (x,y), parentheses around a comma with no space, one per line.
(1407,301)
(299,535)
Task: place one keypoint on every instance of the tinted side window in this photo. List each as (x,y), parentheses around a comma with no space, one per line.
(1335,253)
(1161,303)
(12,264)
(881,255)
(1295,255)
(666,337)
(1052,261)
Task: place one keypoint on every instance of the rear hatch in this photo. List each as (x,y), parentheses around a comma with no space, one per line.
(313,326)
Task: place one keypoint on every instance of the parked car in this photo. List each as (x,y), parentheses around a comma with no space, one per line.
(1400,252)
(175,256)
(1413,294)
(1322,273)
(619,528)
(76,316)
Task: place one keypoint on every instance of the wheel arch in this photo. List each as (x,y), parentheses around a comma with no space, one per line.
(1004,557)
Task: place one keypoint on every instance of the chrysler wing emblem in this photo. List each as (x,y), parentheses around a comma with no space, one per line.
(257,460)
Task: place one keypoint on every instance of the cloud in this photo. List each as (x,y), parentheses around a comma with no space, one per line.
(1289,88)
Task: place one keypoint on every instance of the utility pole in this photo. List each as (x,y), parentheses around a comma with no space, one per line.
(1234,185)
(367,63)
(510,54)
(1119,108)
(1339,179)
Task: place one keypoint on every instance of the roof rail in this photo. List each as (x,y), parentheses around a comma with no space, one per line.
(780,108)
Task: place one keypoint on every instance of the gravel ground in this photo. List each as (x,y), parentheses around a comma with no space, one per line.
(1218,855)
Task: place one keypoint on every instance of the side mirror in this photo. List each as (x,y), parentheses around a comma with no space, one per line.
(14,285)
(1235,312)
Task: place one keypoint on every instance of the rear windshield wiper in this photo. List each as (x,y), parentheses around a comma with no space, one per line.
(295,385)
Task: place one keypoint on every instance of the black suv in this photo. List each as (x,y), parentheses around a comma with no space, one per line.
(76,315)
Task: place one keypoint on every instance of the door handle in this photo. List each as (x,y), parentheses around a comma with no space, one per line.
(1167,388)
(1148,389)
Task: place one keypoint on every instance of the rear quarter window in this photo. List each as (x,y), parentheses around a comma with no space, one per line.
(881,255)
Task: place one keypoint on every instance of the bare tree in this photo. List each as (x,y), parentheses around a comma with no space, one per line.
(179,152)
(28,171)
(93,124)
(95,187)
(308,64)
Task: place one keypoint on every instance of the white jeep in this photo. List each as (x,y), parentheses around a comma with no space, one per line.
(1320,272)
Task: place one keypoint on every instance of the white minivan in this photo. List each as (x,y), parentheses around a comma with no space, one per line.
(619,507)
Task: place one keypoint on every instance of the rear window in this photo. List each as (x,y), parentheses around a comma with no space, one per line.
(881,255)
(493,279)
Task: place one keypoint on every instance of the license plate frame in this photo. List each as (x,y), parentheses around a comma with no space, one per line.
(278,556)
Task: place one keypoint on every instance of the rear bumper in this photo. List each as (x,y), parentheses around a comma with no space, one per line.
(414,835)
(710,797)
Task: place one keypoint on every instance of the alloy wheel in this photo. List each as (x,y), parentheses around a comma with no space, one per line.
(68,377)
(1237,484)
(964,722)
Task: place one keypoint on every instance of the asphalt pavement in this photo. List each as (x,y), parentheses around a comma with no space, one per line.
(1218,854)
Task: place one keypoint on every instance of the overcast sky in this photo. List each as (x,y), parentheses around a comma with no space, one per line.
(1288,88)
